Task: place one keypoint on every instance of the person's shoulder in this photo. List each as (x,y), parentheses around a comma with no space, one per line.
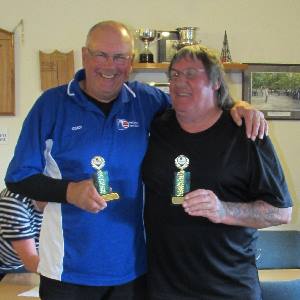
(137,85)
(228,122)
(145,88)
(50,100)
(164,118)
(55,93)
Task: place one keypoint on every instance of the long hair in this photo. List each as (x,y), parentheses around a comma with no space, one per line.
(213,67)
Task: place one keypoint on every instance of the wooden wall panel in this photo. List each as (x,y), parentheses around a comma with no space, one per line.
(7,73)
(56,68)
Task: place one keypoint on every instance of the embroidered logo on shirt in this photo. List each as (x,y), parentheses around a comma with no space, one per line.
(74,128)
(123,124)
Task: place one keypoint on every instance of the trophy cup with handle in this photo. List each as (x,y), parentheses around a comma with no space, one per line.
(147,36)
(187,36)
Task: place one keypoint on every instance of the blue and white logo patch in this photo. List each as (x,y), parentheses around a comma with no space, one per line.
(123,124)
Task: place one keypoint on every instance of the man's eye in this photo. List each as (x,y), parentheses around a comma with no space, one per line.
(120,58)
(99,55)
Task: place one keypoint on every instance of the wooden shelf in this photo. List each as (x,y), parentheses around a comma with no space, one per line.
(142,67)
(232,67)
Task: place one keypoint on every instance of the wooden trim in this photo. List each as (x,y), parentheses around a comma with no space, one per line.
(142,67)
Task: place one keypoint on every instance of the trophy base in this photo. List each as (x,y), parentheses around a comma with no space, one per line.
(177,200)
(111,196)
(146,58)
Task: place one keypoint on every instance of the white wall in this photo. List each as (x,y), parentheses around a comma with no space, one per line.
(258,31)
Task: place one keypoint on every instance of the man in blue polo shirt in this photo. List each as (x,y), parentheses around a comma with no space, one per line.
(99,123)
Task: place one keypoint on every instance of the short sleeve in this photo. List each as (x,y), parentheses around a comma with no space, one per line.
(267,181)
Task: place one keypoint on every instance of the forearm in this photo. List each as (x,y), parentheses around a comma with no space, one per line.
(31,264)
(257,214)
(26,250)
(41,187)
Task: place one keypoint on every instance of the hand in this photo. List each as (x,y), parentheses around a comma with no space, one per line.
(84,195)
(204,203)
(256,124)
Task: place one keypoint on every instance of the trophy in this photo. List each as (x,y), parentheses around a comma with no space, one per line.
(181,179)
(146,36)
(187,36)
(101,179)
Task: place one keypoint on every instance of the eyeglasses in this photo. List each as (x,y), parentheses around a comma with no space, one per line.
(189,73)
(102,57)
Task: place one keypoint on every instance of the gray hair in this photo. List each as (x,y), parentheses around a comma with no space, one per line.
(213,67)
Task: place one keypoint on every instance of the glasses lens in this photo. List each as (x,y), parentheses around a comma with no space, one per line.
(190,73)
(120,59)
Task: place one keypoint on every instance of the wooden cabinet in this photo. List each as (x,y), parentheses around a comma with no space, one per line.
(7,73)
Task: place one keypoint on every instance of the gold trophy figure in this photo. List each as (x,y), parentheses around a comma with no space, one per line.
(101,179)
(181,179)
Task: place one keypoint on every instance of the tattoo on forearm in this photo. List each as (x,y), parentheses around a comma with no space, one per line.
(257,214)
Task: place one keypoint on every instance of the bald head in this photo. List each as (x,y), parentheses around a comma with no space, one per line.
(105,72)
(116,28)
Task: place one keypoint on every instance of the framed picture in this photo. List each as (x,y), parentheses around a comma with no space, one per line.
(167,45)
(274,89)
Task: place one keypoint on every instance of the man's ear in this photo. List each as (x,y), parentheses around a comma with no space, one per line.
(83,55)
(132,58)
(131,63)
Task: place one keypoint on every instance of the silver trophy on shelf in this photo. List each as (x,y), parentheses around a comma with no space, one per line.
(187,37)
(147,36)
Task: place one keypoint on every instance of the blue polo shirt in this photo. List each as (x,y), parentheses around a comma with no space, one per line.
(60,136)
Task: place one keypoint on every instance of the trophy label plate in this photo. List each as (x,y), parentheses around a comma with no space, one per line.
(111,196)
(177,200)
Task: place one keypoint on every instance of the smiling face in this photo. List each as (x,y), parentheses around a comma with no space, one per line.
(105,77)
(192,93)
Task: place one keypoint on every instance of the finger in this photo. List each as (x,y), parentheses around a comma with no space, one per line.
(96,207)
(256,123)
(236,116)
(200,199)
(196,193)
(264,129)
(261,130)
(199,212)
(248,117)
(267,128)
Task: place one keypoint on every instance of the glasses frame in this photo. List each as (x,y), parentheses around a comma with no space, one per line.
(184,72)
(102,57)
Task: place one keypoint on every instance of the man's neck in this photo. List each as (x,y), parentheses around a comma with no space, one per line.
(83,87)
(200,123)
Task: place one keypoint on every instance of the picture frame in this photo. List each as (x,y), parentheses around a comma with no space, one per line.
(167,45)
(274,89)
